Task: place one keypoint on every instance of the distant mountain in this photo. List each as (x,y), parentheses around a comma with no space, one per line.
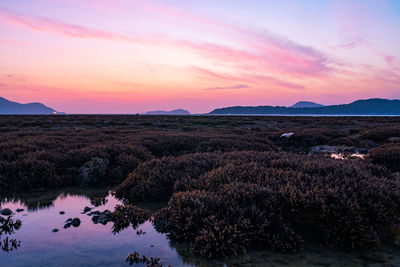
(373,106)
(13,108)
(306,104)
(172,112)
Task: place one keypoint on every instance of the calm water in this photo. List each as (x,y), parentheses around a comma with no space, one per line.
(96,245)
(86,245)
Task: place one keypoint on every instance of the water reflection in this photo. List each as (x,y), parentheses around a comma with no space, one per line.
(343,156)
(109,244)
(39,200)
(98,201)
(44,241)
(8,227)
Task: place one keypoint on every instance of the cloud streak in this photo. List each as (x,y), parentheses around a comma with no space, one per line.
(59,27)
(266,48)
(234,87)
(265,52)
(260,80)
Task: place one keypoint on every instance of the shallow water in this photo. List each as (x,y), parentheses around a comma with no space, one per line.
(86,245)
(347,156)
(96,245)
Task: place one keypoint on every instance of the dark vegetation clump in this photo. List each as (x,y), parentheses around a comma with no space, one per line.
(155,180)
(122,217)
(233,183)
(306,138)
(53,160)
(44,152)
(387,155)
(278,200)
(125,215)
(381,134)
(98,201)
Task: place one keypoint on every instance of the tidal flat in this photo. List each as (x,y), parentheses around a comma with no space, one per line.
(200,191)
(96,245)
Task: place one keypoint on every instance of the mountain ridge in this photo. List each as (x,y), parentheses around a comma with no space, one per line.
(373,106)
(306,104)
(172,112)
(8,107)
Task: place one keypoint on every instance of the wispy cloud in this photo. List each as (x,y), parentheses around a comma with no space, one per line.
(353,43)
(234,87)
(261,80)
(59,27)
(262,52)
(263,46)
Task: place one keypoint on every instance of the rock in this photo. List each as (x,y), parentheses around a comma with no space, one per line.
(287,135)
(333,149)
(62,212)
(19,210)
(6,212)
(72,222)
(93,172)
(394,139)
(140,232)
(86,209)
(324,149)
(101,217)
(76,222)
(68,223)
(55,230)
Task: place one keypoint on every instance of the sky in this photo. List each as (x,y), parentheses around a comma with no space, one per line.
(132,56)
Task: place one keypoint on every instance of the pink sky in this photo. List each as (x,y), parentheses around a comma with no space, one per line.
(126,56)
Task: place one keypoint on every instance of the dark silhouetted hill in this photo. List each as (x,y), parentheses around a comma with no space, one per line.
(13,108)
(375,106)
(306,104)
(173,112)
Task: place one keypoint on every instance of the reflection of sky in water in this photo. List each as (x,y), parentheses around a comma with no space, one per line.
(87,245)
(95,245)
(347,156)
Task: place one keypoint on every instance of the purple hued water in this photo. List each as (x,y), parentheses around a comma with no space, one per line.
(86,245)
